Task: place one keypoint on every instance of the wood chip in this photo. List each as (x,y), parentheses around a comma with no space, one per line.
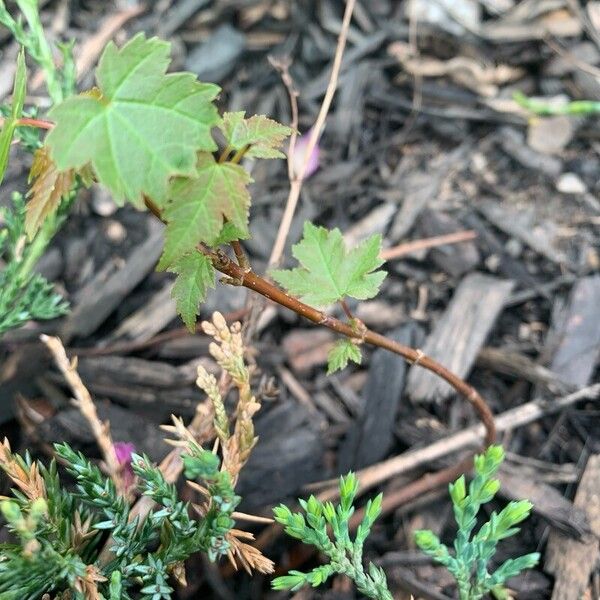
(460,333)
(104,293)
(454,259)
(372,434)
(523,224)
(572,561)
(149,319)
(549,503)
(579,347)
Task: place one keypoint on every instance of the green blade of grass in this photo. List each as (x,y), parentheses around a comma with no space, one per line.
(10,123)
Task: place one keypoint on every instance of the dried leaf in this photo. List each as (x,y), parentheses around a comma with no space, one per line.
(50,185)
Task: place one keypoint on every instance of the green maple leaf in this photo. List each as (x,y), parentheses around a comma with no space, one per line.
(140,127)
(195,274)
(342,352)
(264,136)
(199,206)
(328,271)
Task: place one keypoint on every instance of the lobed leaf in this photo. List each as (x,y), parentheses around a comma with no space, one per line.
(342,352)
(195,274)
(262,136)
(330,272)
(199,206)
(141,127)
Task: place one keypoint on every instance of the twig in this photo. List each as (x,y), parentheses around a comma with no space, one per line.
(240,255)
(468,438)
(83,401)
(282,65)
(425,243)
(252,281)
(296,181)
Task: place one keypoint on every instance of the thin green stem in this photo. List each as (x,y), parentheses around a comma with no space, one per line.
(237,157)
(225,154)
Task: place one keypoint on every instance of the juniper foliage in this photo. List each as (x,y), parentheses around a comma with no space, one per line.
(59,534)
(474,551)
(344,553)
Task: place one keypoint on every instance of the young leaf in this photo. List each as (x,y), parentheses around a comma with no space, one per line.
(200,205)
(230,233)
(19,89)
(264,136)
(328,271)
(141,127)
(49,187)
(195,274)
(342,352)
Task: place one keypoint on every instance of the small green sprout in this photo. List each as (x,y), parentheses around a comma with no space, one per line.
(345,554)
(473,552)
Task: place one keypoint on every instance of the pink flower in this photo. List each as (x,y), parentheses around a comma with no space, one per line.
(299,152)
(123,452)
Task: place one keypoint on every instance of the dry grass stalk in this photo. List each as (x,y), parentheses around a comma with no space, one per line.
(247,555)
(315,134)
(228,351)
(83,401)
(26,477)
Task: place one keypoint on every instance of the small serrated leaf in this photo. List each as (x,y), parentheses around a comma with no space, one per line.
(141,127)
(230,233)
(262,135)
(199,207)
(342,352)
(195,274)
(48,188)
(329,272)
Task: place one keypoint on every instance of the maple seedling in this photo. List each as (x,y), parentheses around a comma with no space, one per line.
(147,136)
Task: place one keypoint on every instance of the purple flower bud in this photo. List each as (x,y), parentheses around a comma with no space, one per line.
(299,152)
(123,452)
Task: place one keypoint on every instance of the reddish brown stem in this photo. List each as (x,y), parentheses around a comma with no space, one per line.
(27,122)
(240,255)
(256,283)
